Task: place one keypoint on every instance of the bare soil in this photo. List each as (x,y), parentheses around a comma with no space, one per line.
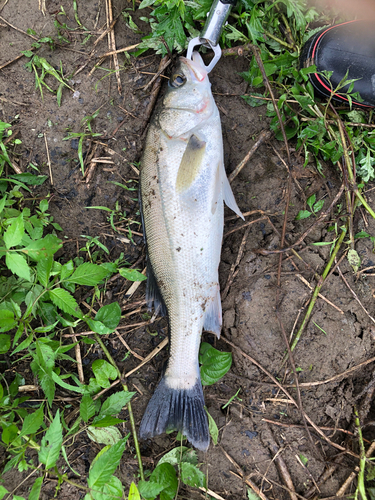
(339,335)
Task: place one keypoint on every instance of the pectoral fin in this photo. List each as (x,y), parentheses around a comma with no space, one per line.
(228,195)
(190,163)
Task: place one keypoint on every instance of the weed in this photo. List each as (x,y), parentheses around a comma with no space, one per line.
(315,206)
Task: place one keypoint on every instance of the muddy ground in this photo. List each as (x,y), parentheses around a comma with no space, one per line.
(339,335)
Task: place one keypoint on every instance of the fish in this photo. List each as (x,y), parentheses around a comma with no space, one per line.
(183,185)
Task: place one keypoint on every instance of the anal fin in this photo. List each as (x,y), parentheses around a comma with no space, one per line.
(213,315)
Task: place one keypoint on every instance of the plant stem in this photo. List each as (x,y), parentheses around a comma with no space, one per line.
(131,416)
(317,290)
(362,461)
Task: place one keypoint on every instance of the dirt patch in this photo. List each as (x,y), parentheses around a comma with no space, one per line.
(339,335)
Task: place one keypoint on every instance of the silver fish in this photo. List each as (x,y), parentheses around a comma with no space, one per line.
(183,184)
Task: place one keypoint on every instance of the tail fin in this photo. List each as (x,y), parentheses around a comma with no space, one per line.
(177,409)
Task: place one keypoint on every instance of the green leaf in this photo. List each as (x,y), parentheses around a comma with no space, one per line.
(251,495)
(87,408)
(88,274)
(173,456)
(115,403)
(9,433)
(14,233)
(44,268)
(109,315)
(165,475)
(66,302)
(18,265)
(36,489)
(74,388)
(212,427)
(104,467)
(67,270)
(149,489)
(103,371)
(303,459)
(354,259)
(191,475)
(43,248)
(215,364)
(362,234)
(134,493)
(29,178)
(4,491)
(318,206)
(7,321)
(23,344)
(106,421)
(32,422)
(132,274)
(51,443)
(104,435)
(4,343)
(303,214)
(2,203)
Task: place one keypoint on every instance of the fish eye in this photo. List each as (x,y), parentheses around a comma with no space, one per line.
(177,80)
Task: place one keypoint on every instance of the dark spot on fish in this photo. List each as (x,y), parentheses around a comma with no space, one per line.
(178,249)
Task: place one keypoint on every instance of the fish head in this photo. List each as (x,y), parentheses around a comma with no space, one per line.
(188,101)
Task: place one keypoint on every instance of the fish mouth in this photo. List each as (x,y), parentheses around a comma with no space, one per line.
(198,72)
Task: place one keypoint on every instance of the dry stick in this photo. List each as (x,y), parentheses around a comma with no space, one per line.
(299,399)
(118,51)
(321,217)
(264,136)
(153,96)
(211,493)
(78,357)
(48,158)
(319,294)
(252,485)
(317,290)
(113,45)
(354,294)
(160,71)
(131,416)
(127,347)
(351,175)
(266,82)
(280,464)
(293,401)
(232,274)
(249,223)
(345,486)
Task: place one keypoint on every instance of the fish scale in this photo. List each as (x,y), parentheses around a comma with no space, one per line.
(183,185)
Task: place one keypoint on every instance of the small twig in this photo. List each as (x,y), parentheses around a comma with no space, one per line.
(349,480)
(148,357)
(159,73)
(317,289)
(240,475)
(293,401)
(279,461)
(18,29)
(255,51)
(48,158)
(354,295)
(130,411)
(249,223)
(113,45)
(264,136)
(211,493)
(134,287)
(153,96)
(118,51)
(78,357)
(127,347)
(321,217)
(232,273)
(319,294)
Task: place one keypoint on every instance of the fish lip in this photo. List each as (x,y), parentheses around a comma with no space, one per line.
(199,76)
